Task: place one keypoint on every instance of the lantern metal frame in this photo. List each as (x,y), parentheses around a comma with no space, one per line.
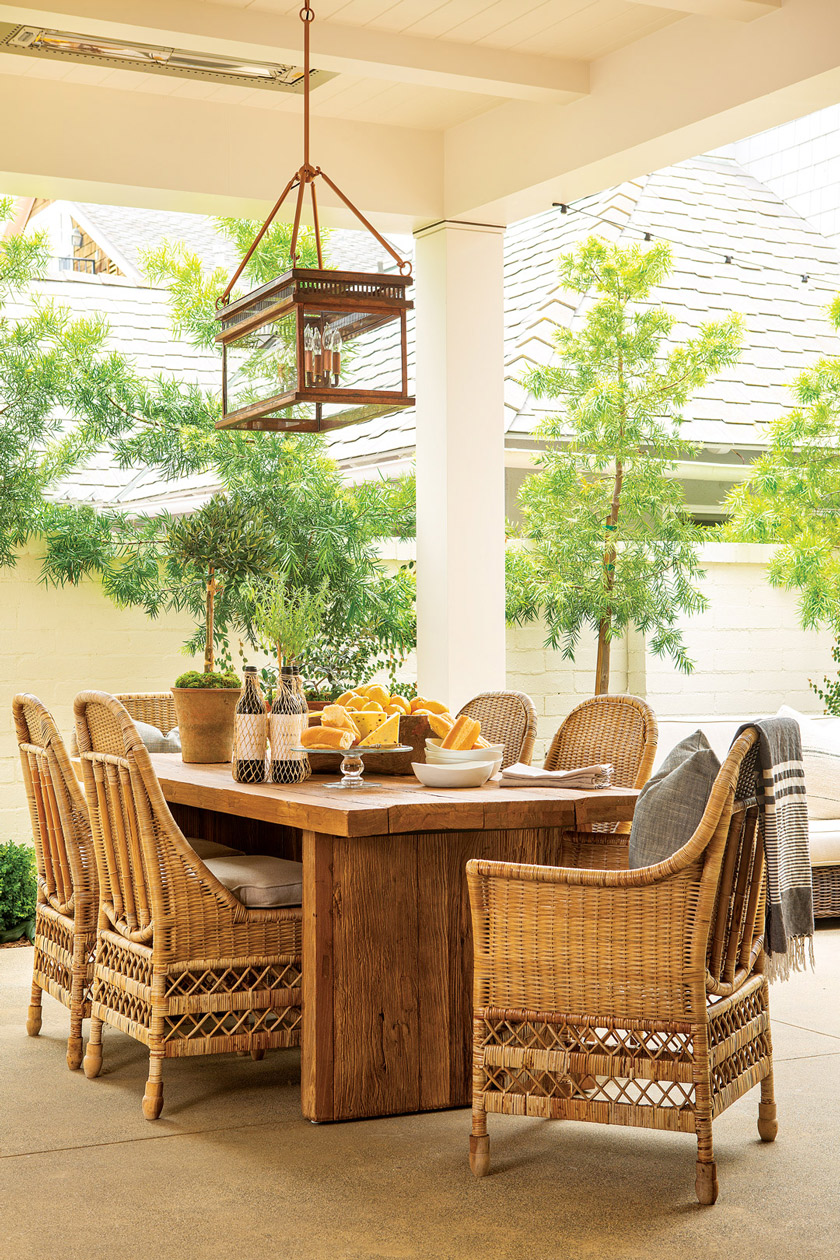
(353,302)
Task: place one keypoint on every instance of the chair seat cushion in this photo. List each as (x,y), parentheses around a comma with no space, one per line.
(210,849)
(824,841)
(671,804)
(259,881)
(156,741)
(821,762)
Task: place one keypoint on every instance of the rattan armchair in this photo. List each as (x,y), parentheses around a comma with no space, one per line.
(65,914)
(181,965)
(628,997)
(506,717)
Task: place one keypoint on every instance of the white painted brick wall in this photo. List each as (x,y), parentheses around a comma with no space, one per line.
(55,643)
(751,656)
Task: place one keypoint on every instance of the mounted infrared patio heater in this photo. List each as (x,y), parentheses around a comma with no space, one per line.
(314,349)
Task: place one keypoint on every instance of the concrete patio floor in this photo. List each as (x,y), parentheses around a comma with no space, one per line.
(232,1169)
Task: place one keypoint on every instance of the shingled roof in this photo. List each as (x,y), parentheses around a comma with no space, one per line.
(736,246)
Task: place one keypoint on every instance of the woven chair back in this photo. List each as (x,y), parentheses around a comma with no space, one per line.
(61,831)
(506,717)
(736,934)
(155,707)
(620,730)
(122,822)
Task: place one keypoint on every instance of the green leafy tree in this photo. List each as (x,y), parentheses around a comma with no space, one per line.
(324,534)
(792,495)
(52,367)
(611,543)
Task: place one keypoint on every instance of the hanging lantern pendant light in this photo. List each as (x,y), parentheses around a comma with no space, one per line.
(314,349)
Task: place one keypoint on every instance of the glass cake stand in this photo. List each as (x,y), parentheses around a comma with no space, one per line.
(353,762)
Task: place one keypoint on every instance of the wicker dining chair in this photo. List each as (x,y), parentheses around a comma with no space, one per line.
(629,997)
(618,729)
(65,914)
(181,965)
(506,717)
(155,707)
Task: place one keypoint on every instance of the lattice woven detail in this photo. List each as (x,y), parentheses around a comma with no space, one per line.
(52,966)
(647,1067)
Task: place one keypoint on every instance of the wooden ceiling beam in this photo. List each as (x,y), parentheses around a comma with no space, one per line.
(357,50)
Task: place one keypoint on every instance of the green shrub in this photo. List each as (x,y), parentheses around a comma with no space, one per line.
(18,886)
(193,678)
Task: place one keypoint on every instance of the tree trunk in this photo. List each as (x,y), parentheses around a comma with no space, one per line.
(602,665)
(209,659)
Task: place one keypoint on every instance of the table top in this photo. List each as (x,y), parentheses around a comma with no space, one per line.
(396,805)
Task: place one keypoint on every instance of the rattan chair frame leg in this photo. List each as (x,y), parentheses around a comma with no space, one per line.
(92,1063)
(33,1016)
(768,1125)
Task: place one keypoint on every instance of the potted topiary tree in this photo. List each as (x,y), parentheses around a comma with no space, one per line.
(223,545)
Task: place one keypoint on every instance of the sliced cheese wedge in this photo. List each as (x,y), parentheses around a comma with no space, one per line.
(387,733)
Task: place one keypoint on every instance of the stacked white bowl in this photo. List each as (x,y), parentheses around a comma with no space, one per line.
(437,756)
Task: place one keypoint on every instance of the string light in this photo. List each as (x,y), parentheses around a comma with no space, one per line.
(648,234)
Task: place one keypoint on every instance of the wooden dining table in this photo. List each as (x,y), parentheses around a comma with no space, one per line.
(387,941)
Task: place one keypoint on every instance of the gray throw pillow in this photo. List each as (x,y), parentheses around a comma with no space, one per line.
(671,804)
(156,741)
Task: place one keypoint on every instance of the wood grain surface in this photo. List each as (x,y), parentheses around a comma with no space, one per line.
(398,805)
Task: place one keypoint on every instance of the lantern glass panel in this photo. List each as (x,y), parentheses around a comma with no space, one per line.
(262,364)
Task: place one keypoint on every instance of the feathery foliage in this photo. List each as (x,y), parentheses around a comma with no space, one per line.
(792,495)
(610,542)
(285,492)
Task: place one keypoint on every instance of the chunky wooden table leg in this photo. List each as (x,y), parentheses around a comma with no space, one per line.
(387,967)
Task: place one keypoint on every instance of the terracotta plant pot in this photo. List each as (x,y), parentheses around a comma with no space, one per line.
(205,722)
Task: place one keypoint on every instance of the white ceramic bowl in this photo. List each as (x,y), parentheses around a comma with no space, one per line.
(454,755)
(473,774)
(437,756)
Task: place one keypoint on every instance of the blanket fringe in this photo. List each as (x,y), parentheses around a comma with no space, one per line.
(798,957)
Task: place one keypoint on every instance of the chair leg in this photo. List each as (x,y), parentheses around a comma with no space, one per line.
(33,1016)
(479,1144)
(92,1063)
(153,1097)
(705,1181)
(767,1124)
(75,1045)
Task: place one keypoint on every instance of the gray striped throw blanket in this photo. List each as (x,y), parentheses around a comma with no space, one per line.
(789,928)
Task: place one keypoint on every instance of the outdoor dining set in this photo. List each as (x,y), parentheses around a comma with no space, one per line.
(494,947)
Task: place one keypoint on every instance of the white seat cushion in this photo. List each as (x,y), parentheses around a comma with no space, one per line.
(821,759)
(259,881)
(210,849)
(824,839)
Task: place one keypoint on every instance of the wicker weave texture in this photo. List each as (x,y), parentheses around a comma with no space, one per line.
(155,707)
(65,915)
(506,717)
(620,730)
(826,881)
(628,997)
(181,964)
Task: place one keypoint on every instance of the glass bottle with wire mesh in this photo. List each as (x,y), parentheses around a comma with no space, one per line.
(250,732)
(289,719)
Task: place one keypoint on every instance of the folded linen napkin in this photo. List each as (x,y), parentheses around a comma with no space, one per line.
(584,777)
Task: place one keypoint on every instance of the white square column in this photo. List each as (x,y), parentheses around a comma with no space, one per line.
(459,306)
